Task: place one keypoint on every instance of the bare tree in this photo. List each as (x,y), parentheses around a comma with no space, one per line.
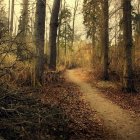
(39,38)
(53,33)
(105,39)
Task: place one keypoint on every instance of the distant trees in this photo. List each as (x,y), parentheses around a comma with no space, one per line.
(96,20)
(92,12)
(65,34)
(91,18)
(39,38)
(4,41)
(53,34)
(3,21)
(73,19)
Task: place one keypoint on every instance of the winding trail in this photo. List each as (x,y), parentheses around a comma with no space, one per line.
(116,119)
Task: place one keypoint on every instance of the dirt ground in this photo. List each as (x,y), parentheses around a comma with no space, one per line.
(120,121)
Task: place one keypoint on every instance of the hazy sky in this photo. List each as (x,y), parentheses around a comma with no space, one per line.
(70,3)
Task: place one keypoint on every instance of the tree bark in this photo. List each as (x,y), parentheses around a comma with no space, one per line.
(39,38)
(53,34)
(128,76)
(105,39)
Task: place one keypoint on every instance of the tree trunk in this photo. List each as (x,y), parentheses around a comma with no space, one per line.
(25,17)
(32,19)
(59,30)
(105,39)
(39,38)
(12,17)
(73,20)
(53,34)
(9,17)
(128,79)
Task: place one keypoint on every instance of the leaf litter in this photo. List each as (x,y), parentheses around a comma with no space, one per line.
(54,112)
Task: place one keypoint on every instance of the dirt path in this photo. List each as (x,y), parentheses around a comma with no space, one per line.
(116,119)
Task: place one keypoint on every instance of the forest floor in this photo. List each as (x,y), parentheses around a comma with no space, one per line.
(55,111)
(124,123)
(72,108)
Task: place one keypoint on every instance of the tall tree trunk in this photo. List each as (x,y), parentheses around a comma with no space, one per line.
(59,30)
(9,16)
(46,39)
(58,42)
(73,20)
(65,38)
(25,17)
(105,39)
(12,17)
(53,34)
(39,38)
(32,18)
(128,79)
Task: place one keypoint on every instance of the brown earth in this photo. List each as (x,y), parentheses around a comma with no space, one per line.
(118,120)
